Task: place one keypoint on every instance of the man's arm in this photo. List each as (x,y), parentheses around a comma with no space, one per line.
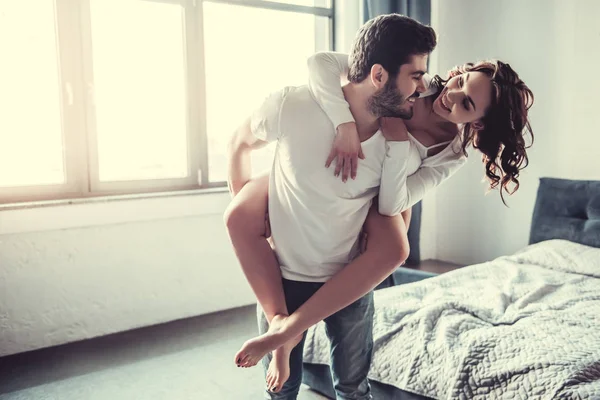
(261,128)
(239,150)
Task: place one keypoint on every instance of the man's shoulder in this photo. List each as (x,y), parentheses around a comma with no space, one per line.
(298,100)
(288,109)
(296,93)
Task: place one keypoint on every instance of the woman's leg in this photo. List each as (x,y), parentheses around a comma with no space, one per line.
(387,249)
(246,223)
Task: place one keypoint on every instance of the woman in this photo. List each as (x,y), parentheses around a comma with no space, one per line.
(483,104)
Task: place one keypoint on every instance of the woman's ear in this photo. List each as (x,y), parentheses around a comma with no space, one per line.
(477,125)
(379,76)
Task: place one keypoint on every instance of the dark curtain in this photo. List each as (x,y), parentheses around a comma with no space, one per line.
(416,9)
(421,11)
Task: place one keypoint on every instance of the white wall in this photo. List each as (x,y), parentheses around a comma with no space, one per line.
(553,47)
(73,272)
(580,138)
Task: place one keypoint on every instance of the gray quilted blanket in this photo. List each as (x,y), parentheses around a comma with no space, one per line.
(525,326)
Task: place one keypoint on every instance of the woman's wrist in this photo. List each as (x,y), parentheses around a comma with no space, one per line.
(347,128)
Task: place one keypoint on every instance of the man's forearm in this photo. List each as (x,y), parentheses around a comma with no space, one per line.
(357,278)
(348,285)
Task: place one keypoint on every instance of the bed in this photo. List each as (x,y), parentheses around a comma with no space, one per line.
(523,326)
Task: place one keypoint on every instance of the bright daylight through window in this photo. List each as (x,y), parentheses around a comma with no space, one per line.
(105,97)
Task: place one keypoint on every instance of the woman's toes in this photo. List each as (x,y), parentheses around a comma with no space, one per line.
(275,387)
(238,358)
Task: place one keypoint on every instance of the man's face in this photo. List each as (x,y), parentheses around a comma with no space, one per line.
(396,98)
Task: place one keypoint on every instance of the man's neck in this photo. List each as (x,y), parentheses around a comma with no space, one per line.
(357,96)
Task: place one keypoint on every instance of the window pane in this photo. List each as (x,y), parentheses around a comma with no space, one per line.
(31,140)
(250,52)
(139,85)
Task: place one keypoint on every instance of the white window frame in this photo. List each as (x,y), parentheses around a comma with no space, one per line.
(78,111)
(196,152)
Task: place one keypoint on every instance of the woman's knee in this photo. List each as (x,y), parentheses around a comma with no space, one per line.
(236,216)
(246,212)
(245,219)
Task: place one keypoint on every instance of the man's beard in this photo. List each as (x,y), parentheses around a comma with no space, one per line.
(387,102)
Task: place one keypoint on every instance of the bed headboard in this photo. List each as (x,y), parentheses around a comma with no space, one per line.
(567,209)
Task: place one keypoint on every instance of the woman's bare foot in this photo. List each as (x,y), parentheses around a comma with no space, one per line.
(279,368)
(255,349)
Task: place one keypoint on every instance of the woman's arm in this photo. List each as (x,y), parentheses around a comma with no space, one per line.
(399,192)
(325,71)
(392,187)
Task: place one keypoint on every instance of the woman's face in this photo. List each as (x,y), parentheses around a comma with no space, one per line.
(465,98)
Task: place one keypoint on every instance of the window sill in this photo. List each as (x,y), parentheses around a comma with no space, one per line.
(94,211)
(111,198)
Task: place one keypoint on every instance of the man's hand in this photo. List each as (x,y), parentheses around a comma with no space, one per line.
(393,129)
(346,150)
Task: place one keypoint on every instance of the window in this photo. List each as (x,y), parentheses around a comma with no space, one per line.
(29,66)
(104,97)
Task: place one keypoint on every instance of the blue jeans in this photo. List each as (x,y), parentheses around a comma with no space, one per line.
(350,332)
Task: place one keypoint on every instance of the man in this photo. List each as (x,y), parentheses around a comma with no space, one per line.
(315,217)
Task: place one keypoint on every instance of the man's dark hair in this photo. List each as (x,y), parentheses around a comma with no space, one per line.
(389,40)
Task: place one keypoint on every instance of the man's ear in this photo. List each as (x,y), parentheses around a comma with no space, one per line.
(379,76)
(477,125)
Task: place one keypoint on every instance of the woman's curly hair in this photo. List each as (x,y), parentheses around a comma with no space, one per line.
(505,124)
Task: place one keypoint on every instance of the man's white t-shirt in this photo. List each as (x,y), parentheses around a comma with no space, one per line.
(315,217)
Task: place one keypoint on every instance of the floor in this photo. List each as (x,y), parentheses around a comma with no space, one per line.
(185,359)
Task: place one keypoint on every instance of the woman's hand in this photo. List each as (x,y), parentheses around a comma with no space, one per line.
(393,129)
(346,150)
